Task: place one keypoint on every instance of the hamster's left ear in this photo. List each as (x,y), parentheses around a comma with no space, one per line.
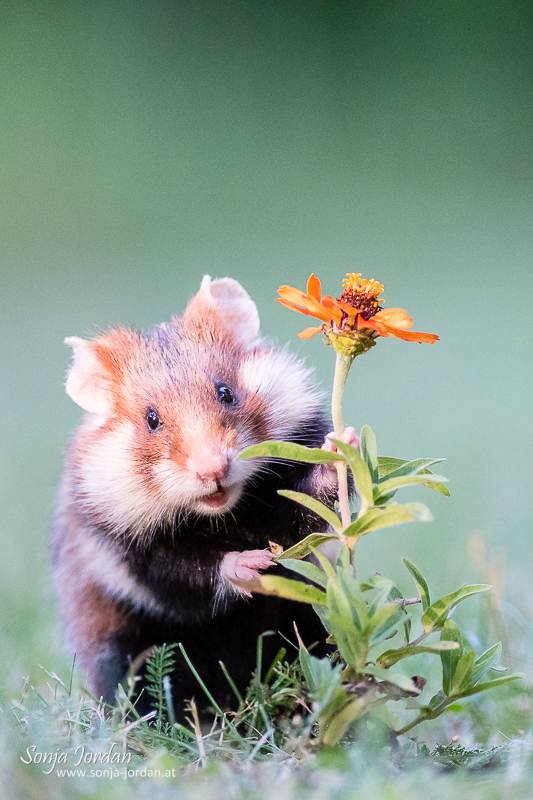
(222,307)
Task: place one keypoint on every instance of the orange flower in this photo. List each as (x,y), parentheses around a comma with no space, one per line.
(356,314)
(312,303)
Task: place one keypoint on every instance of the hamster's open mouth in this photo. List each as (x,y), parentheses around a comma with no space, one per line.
(218,498)
(223,496)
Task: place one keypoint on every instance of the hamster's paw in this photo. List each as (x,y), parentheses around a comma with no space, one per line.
(349,436)
(245,566)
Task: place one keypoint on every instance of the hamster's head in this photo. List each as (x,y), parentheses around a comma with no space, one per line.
(170,409)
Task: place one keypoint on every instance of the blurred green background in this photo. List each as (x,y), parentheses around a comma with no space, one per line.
(143,144)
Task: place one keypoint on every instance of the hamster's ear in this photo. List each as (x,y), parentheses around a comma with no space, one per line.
(222,306)
(87,383)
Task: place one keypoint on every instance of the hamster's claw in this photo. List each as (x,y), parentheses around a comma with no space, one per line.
(245,566)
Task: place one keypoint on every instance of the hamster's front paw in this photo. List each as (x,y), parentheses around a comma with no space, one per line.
(245,566)
(349,436)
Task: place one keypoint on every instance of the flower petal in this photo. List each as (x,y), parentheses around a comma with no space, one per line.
(394,317)
(331,304)
(313,309)
(415,336)
(292,294)
(381,322)
(309,332)
(314,288)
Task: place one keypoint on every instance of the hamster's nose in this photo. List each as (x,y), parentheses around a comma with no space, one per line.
(209,466)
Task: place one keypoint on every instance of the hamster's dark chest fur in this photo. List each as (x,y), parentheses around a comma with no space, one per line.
(179,561)
(177,570)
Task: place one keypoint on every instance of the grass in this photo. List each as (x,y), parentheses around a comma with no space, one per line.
(265,749)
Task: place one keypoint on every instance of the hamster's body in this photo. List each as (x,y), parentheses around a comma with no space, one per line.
(155,518)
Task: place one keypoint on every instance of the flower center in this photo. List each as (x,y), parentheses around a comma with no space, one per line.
(361,294)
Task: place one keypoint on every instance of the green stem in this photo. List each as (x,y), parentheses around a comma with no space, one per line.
(422,717)
(342,367)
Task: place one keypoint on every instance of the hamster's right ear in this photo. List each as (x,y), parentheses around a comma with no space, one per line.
(87,382)
(222,308)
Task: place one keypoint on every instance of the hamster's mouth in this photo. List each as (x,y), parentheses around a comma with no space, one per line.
(223,496)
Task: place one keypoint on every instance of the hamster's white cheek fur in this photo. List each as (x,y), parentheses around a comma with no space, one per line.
(283,382)
(111,486)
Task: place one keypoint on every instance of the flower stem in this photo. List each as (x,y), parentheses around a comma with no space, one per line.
(342,367)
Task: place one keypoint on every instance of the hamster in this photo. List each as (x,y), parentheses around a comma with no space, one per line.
(155,518)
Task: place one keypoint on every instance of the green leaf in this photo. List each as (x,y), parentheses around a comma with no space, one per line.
(486,662)
(385,517)
(462,677)
(390,657)
(303,548)
(324,563)
(314,505)
(384,588)
(406,627)
(380,583)
(357,602)
(412,467)
(344,717)
(382,623)
(437,487)
(482,687)
(361,475)
(322,612)
(344,627)
(421,584)
(436,700)
(388,466)
(310,571)
(393,484)
(321,676)
(449,660)
(352,590)
(369,451)
(284,587)
(433,619)
(305,663)
(290,451)
(343,559)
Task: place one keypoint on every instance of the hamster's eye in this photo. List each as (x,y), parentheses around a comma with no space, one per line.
(152,418)
(225,395)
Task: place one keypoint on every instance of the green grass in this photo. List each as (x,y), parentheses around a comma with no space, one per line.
(264,749)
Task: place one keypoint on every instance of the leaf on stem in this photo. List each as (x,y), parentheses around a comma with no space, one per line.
(421,584)
(394,467)
(290,451)
(434,617)
(303,548)
(361,474)
(482,687)
(310,571)
(386,517)
(390,657)
(462,676)
(449,660)
(369,451)
(284,587)
(393,484)
(486,661)
(314,505)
